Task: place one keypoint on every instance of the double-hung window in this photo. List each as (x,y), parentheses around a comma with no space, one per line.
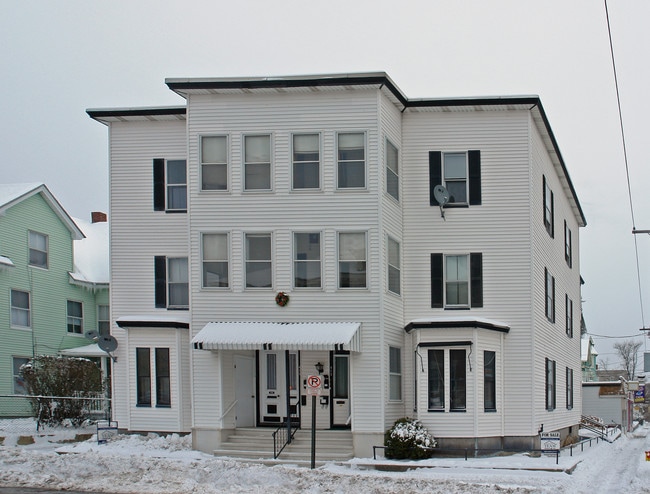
(21,316)
(75,317)
(395,373)
(569,388)
(351,150)
(170,185)
(306,161)
(568,245)
(457,380)
(307,260)
(214,163)
(394,270)
(38,249)
(257,162)
(459,173)
(259,265)
(549,293)
(550,384)
(215,260)
(171,282)
(352,260)
(489,381)
(549,208)
(103,320)
(392,170)
(569,316)
(456,280)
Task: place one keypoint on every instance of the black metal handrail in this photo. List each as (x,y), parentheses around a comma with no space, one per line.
(281,438)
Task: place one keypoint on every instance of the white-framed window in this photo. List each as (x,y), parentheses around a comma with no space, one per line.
(103,319)
(568,245)
(351,153)
(307,260)
(21,314)
(352,259)
(395,373)
(392,170)
(259,264)
(38,249)
(457,280)
(394,266)
(75,316)
(170,185)
(550,384)
(214,162)
(257,162)
(454,175)
(19,382)
(569,388)
(171,283)
(436,380)
(549,294)
(178,283)
(549,208)
(306,161)
(569,315)
(176,185)
(215,260)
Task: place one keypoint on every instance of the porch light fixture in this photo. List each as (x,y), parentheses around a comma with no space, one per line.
(319,368)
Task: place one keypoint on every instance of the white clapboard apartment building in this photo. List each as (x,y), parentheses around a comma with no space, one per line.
(420,256)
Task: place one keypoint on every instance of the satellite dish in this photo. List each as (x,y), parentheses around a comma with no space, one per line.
(91,334)
(107,343)
(441,194)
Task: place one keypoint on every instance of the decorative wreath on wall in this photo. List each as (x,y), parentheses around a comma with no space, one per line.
(282,299)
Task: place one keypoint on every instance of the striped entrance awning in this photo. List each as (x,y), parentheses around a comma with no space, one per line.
(279,336)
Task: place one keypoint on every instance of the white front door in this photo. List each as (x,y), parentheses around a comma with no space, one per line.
(341,391)
(273,387)
(244,391)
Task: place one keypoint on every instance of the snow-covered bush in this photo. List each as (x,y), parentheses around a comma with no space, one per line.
(408,439)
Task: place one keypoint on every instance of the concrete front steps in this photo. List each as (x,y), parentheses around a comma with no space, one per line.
(257,444)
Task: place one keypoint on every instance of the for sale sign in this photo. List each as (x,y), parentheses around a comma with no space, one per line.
(550,441)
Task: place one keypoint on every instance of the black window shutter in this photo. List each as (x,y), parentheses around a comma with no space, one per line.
(552,216)
(474,164)
(435,174)
(160,274)
(437,281)
(158,184)
(476,278)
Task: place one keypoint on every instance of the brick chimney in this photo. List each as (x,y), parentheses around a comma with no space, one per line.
(98,217)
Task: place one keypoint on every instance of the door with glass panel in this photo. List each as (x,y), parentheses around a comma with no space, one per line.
(273,387)
(341,391)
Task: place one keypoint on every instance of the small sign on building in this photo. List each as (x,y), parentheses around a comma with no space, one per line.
(550,442)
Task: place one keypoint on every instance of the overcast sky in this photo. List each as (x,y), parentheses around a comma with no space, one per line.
(58,58)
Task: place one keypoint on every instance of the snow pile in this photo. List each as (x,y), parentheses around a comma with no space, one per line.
(156,464)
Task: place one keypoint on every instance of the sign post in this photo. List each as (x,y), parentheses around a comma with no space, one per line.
(314,386)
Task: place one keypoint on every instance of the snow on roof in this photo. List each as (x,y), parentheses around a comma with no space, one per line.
(91,261)
(91,350)
(457,321)
(5,261)
(155,320)
(246,335)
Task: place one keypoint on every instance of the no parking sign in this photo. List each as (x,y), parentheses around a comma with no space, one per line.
(314,385)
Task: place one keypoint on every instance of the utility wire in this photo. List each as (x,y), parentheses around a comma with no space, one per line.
(627,169)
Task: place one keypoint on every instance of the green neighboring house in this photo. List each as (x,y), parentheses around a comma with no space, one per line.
(53,284)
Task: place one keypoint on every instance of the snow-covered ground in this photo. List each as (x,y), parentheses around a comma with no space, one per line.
(154,464)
